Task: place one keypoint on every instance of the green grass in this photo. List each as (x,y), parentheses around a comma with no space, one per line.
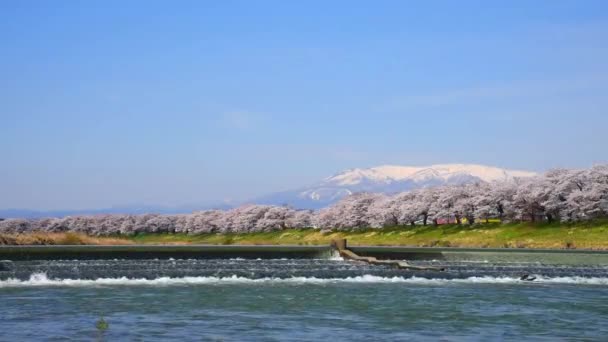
(584,235)
(589,235)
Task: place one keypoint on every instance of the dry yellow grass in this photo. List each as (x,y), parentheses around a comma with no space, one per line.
(583,235)
(59,239)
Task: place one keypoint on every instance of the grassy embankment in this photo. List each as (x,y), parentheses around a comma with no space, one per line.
(589,235)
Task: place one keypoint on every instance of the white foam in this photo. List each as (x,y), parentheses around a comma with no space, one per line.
(41,280)
(335,256)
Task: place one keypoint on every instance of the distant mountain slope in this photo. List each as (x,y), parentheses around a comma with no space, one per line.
(387,179)
(133,210)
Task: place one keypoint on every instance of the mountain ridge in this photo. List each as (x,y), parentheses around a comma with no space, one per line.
(384,178)
(388,179)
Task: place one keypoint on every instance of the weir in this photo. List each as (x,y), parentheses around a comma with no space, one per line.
(342,248)
(443,255)
(88,252)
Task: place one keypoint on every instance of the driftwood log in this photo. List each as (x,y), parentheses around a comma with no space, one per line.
(342,248)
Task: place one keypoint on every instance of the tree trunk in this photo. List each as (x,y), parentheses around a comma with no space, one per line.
(457,219)
(501,211)
(424,219)
(549,218)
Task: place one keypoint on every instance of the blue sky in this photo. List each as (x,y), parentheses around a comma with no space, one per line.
(119,102)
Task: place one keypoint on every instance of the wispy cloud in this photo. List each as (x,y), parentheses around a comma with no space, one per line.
(238,120)
(494,92)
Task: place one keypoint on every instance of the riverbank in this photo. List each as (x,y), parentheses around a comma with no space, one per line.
(160,299)
(588,235)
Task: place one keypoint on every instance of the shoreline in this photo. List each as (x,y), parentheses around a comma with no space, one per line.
(82,252)
(560,236)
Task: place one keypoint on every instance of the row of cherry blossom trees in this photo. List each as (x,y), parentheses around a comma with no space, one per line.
(561,194)
(250,218)
(565,195)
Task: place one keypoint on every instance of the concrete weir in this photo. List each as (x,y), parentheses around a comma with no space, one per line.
(369,254)
(342,248)
(83,252)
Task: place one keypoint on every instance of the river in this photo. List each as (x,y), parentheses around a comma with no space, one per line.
(299,300)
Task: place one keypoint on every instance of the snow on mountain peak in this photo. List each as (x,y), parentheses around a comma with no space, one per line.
(389,179)
(356,176)
(387,174)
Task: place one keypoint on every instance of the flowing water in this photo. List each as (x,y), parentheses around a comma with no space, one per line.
(299,299)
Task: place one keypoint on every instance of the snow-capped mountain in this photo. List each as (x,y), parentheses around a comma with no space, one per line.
(388,179)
